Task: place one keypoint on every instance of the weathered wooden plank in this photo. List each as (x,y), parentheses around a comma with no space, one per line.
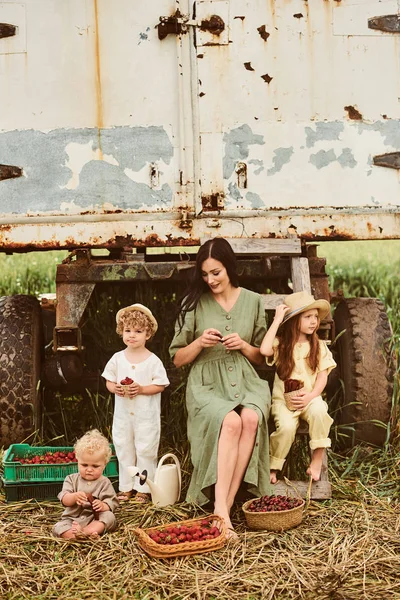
(263,246)
(300,274)
(271,301)
(320,490)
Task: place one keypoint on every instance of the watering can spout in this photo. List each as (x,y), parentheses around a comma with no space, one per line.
(166,487)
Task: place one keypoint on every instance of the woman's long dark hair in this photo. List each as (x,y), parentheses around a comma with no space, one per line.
(288,334)
(219,249)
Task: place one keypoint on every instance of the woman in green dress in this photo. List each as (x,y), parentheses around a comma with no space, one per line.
(219,331)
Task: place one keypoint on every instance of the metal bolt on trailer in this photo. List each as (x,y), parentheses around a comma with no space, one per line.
(272,124)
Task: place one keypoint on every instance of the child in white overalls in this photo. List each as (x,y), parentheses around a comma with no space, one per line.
(136,423)
(292,344)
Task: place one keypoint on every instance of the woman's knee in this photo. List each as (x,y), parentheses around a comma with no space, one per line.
(249,420)
(232,425)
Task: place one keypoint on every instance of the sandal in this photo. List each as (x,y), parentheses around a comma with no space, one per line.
(141,498)
(125,496)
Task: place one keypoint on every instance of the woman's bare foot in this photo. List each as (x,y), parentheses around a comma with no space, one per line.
(314,470)
(224,514)
(272,477)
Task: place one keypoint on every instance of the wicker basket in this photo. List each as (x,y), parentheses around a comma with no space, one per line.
(185,548)
(273,520)
(288,398)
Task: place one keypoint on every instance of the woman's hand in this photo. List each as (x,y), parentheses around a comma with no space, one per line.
(210,337)
(233,341)
(280,313)
(302,399)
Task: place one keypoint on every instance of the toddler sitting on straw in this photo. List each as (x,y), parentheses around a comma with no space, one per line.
(88,496)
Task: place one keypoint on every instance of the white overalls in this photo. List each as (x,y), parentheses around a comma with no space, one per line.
(136,425)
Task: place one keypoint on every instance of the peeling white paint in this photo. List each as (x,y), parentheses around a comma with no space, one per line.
(80,155)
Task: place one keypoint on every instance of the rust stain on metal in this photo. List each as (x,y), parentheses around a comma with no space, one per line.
(171,25)
(248,67)
(202,94)
(330,233)
(214,25)
(267,78)
(298,16)
(200,56)
(354,113)
(213,201)
(99,99)
(242,17)
(263,32)
(10,172)
(7,30)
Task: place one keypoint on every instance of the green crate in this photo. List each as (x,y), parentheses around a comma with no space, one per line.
(19,492)
(15,472)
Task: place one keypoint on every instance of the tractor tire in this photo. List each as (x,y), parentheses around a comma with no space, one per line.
(365,367)
(20,363)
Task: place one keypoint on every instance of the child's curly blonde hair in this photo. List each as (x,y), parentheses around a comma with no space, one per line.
(135,319)
(93,441)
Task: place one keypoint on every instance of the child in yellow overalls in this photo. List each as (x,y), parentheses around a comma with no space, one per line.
(292,344)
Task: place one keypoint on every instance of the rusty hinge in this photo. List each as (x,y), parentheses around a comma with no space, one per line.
(388,23)
(7,30)
(178,23)
(10,172)
(390,159)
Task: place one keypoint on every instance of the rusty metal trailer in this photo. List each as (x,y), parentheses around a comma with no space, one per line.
(130,125)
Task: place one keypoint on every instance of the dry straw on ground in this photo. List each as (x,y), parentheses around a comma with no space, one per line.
(344,550)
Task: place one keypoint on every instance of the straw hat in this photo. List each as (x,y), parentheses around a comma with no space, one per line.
(140,308)
(301,302)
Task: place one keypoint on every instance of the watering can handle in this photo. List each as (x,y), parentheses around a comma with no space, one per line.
(178,464)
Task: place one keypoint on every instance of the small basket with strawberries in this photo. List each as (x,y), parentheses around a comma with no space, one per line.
(193,536)
(125,383)
(273,513)
(292,388)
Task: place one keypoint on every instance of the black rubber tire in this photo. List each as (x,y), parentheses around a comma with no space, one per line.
(365,366)
(20,363)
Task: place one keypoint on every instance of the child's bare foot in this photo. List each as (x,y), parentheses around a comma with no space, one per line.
(76,528)
(314,470)
(141,498)
(125,496)
(272,477)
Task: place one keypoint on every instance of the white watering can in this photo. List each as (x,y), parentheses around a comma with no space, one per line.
(166,487)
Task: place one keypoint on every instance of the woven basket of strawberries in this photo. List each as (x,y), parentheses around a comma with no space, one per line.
(193,536)
(292,388)
(273,513)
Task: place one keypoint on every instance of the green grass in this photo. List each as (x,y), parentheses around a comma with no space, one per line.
(33,273)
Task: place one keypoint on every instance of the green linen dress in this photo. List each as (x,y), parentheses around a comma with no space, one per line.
(219,381)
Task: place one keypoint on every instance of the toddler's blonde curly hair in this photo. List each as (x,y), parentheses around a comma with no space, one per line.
(93,441)
(135,319)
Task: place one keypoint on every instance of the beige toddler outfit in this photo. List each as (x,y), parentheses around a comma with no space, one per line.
(315,413)
(100,488)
